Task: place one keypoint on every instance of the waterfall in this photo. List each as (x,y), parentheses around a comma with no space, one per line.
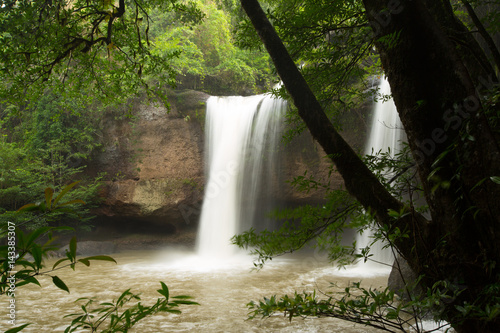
(386,129)
(240,155)
(386,136)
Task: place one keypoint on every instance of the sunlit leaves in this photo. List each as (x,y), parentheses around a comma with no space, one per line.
(95,45)
(206,55)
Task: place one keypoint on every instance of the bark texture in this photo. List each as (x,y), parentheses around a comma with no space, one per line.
(452,142)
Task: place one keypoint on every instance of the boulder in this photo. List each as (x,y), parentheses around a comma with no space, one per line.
(402,276)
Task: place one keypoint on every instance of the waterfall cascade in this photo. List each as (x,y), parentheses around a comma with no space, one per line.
(386,136)
(240,142)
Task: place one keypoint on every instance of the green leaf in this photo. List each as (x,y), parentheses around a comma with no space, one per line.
(49,192)
(495,179)
(58,262)
(17,329)
(72,247)
(122,296)
(35,234)
(439,159)
(28,207)
(60,284)
(64,191)
(182,297)
(36,252)
(164,290)
(84,261)
(105,258)
(27,280)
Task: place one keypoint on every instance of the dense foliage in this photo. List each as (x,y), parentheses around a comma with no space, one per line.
(63,65)
(208,58)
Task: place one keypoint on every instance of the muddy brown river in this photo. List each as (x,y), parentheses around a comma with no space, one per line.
(223,288)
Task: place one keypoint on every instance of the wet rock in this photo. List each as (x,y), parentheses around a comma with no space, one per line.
(402,280)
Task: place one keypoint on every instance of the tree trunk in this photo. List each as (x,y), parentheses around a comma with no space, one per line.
(454,147)
(451,140)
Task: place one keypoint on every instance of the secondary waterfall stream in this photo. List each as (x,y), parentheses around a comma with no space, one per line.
(386,136)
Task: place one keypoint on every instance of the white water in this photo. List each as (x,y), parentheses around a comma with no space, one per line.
(387,131)
(386,136)
(241,134)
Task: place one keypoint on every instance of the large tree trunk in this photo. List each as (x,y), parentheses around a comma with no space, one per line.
(452,143)
(451,140)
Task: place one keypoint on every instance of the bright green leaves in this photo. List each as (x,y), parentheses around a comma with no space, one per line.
(99,47)
(206,55)
(117,316)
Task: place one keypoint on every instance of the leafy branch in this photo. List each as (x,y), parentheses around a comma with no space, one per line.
(21,246)
(378,308)
(116,318)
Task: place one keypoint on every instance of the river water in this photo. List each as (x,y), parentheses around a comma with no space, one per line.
(222,288)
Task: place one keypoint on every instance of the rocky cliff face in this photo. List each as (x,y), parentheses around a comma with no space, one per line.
(155,167)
